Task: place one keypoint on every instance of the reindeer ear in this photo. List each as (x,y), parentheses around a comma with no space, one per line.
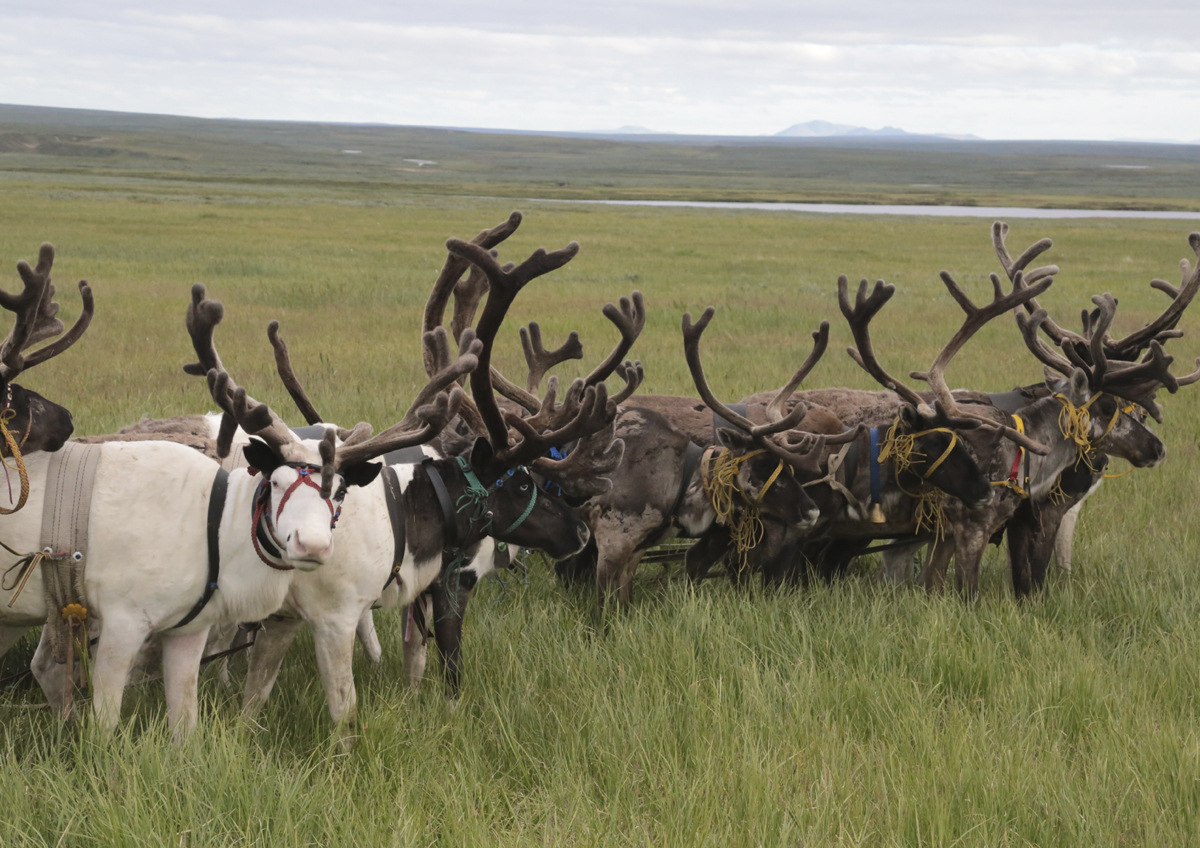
(733,439)
(260,455)
(910,418)
(361,474)
(1079,389)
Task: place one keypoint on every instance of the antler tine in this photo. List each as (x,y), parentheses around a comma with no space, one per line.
(1139,381)
(505,285)
(633,374)
(1106,310)
(859,319)
(283,366)
(774,410)
(595,413)
(1188,379)
(34,310)
(1163,327)
(73,335)
(976,318)
(691,349)
(629,319)
(541,360)
(582,471)
(421,422)
(468,293)
(1011,266)
(420,425)
(452,271)
(1029,326)
(203,316)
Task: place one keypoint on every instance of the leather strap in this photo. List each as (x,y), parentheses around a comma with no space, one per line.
(720,422)
(449,525)
(395,508)
(216,508)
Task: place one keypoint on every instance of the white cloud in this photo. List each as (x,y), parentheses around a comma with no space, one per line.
(705,67)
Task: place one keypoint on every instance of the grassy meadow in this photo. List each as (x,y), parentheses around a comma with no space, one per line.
(849,714)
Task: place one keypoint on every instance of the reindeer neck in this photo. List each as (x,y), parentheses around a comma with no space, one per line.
(1041,420)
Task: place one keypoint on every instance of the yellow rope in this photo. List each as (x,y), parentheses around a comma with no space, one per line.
(19,461)
(900,448)
(745,526)
(1056,493)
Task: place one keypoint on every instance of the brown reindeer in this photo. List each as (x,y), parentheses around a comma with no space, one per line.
(1045,526)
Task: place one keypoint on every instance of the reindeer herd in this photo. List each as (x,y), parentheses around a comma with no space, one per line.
(204,534)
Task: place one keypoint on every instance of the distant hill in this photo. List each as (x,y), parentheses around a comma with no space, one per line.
(824,129)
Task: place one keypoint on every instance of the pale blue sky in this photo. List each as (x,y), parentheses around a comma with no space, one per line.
(1102,70)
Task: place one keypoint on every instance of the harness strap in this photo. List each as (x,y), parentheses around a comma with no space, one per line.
(395,508)
(876,482)
(449,525)
(524,515)
(262,530)
(1013,482)
(216,508)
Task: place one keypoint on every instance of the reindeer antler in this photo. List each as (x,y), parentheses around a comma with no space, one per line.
(37,319)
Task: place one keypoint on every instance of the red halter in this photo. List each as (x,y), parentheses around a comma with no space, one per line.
(263,500)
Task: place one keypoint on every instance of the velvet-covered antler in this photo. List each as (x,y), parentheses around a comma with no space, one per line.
(37,317)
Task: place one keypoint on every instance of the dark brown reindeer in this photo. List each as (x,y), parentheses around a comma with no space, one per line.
(665,486)
(539,422)
(926,453)
(1110,422)
(1045,526)
(1090,388)
(35,424)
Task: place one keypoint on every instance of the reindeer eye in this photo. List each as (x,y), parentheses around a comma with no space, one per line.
(524,487)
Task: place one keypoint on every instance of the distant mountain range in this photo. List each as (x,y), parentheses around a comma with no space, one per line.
(824,129)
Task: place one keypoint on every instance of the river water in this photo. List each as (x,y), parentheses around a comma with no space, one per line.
(993,212)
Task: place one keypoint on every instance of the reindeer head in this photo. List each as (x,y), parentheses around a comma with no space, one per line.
(36,423)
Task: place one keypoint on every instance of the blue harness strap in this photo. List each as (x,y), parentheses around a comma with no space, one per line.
(876,484)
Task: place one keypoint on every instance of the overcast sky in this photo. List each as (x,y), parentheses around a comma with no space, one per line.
(1104,69)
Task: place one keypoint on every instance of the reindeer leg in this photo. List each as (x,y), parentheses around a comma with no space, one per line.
(416,649)
(448,611)
(368,637)
(51,676)
(969,545)
(121,639)
(266,658)
(1064,541)
(1022,532)
(933,576)
(615,562)
(181,657)
(334,643)
(897,566)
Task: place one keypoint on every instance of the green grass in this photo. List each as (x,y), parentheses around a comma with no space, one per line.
(849,714)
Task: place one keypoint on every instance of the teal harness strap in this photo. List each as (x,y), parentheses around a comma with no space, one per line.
(524,515)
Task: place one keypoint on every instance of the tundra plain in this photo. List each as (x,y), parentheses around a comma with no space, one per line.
(843,714)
